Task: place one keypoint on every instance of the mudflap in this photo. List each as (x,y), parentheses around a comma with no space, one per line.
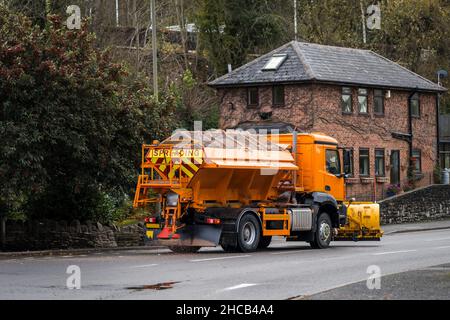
(194,236)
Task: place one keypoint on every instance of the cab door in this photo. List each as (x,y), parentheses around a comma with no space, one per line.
(333,177)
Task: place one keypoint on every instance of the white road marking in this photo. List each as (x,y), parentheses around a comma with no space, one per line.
(392,252)
(444,247)
(434,269)
(220,258)
(144,266)
(240,286)
(438,239)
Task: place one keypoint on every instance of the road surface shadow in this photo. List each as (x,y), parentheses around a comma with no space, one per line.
(158,286)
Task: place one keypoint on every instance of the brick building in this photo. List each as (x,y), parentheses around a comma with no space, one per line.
(382,114)
(444,139)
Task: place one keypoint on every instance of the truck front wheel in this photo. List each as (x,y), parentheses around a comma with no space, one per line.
(322,237)
(249,233)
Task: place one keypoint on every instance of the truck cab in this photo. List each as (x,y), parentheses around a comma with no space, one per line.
(317,157)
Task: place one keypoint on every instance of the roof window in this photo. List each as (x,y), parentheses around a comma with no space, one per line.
(275,62)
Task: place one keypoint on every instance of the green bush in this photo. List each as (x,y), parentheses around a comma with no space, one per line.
(72,123)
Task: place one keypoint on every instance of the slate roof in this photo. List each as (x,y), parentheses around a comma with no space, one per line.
(307,62)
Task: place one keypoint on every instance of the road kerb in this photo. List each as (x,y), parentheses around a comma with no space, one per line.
(416,230)
(62,252)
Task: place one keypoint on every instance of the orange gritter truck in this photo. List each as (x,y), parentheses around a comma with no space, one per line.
(238,189)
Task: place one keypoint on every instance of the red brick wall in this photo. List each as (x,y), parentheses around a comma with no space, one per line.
(298,106)
(317,108)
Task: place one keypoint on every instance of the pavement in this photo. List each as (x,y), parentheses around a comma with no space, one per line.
(412,227)
(286,270)
(430,283)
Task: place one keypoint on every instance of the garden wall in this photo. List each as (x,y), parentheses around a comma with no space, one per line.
(49,234)
(424,204)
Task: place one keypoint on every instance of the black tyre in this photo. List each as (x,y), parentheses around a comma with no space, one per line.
(264,242)
(184,249)
(313,245)
(249,233)
(228,248)
(323,233)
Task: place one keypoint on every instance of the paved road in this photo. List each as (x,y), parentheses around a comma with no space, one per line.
(284,270)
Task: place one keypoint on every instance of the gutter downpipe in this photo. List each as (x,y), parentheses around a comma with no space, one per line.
(438,147)
(410,126)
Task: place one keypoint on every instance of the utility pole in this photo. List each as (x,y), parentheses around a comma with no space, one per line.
(363,20)
(117,13)
(295,20)
(155,50)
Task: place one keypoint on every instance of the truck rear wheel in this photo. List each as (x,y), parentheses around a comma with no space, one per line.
(249,233)
(264,242)
(322,237)
(184,249)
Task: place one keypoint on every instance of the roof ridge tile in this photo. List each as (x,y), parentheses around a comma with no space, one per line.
(303,60)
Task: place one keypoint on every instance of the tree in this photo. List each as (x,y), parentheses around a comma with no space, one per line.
(231,29)
(416,34)
(71,122)
(330,22)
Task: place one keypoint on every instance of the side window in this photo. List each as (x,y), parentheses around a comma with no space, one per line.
(252,97)
(378,102)
(278,96)
(379,162)
(362,101)
(332,162)
(348,161)
(414,104)
(364,168)
(417,156)
(346,100)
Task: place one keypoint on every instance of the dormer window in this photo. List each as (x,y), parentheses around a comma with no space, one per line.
(274,62)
